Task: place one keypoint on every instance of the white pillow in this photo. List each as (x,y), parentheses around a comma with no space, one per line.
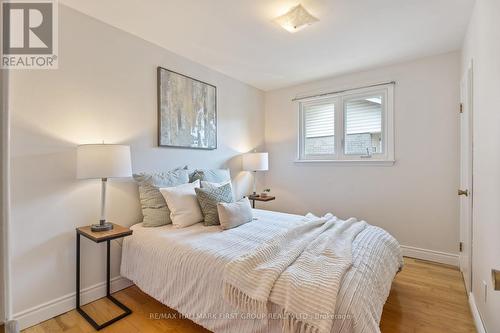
(234,214)
(184,207)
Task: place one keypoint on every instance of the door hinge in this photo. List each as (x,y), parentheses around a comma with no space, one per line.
(461,108)
(460,246)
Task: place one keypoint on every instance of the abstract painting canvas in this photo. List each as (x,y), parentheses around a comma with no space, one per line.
(187,111)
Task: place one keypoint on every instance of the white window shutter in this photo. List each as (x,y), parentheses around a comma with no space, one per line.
(363,116)
(319,120)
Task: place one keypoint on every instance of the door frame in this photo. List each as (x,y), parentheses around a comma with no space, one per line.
(466,225)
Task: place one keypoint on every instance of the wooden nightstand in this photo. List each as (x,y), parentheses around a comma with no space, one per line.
(259,198)
(99,237)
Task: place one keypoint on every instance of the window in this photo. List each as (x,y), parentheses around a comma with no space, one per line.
(319,128)
(355,125)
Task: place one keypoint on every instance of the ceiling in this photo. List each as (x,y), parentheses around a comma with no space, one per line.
(239,39)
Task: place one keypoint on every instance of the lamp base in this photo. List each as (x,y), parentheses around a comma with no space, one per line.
(103,226)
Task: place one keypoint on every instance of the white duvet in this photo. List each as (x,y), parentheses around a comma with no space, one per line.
(183,269)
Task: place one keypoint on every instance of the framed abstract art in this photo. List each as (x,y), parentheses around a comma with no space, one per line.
(187,111)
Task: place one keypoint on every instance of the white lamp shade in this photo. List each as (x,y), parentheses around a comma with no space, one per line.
(103,161)
(256,162)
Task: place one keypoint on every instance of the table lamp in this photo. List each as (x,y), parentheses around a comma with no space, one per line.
(103,161)
(255,162)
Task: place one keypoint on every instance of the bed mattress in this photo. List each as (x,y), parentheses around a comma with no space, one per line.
(183,269)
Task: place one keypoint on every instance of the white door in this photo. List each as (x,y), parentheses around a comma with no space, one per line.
(465,191)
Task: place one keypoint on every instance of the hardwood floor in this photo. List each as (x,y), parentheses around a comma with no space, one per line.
(425,298)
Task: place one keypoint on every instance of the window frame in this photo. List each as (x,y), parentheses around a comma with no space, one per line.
(339,100)
(302,131)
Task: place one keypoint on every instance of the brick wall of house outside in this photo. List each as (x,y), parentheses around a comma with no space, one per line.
(320,146)
(355,144)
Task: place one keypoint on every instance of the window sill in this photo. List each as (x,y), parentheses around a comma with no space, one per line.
(352,162)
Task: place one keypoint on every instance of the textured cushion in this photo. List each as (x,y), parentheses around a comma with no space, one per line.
(211,175)
(183,205)
(155,211)
(208,199)
(234,214)
(210,185)
(205,184)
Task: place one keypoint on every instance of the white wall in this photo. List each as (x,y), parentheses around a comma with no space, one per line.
(482,45)
(104,89)
(415,200)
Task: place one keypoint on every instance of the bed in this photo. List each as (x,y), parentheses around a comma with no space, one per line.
(183,269)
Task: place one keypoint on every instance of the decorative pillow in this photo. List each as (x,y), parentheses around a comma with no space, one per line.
(234,214)
(155,211)
(211,175)
(183,205)
(208,199)
(205,184)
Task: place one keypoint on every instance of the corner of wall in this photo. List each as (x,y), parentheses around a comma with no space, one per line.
(2,299)
(4,198)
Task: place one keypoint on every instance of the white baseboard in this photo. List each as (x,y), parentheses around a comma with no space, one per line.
(63,304)
(475,314)
(430,255)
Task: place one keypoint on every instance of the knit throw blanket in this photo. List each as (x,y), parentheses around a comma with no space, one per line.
(302,268)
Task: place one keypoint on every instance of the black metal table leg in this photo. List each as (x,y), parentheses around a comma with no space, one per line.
(108,250)
(77,270)
(126,310)
(253,203)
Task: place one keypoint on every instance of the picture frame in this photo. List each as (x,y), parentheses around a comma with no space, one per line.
(187,111)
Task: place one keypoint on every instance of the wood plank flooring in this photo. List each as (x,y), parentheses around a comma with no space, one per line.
(425,298)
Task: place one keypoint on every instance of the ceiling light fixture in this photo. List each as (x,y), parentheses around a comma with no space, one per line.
(296,19)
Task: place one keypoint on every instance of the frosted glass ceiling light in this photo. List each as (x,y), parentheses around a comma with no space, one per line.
(296,19)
